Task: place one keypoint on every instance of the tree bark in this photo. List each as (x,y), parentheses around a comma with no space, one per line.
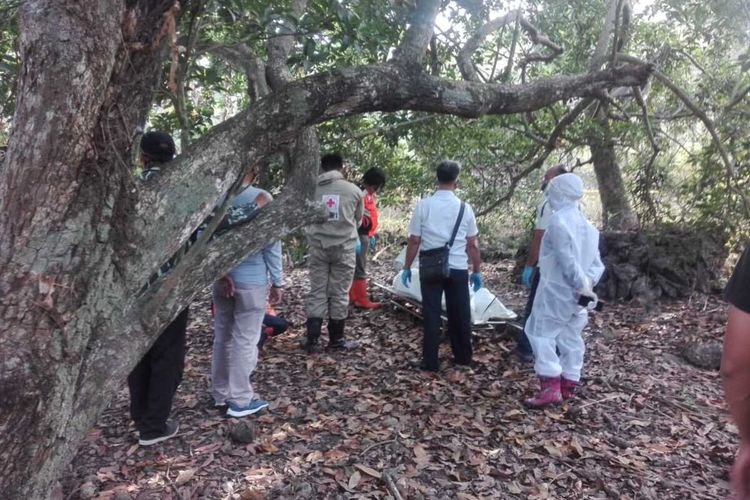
(79,236)
(617,211)
(53,215)
(65,189)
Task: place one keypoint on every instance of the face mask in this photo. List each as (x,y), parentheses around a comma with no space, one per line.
(553,196)
(555,202)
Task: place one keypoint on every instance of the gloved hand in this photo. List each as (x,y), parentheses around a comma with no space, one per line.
(476,280)
(358,247)
(588,300)
(586,296)
(373,242)
(406,277)
(528,274)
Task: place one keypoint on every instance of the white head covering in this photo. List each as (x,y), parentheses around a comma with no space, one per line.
(564,189)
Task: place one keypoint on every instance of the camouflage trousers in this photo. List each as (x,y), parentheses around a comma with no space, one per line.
(331,274)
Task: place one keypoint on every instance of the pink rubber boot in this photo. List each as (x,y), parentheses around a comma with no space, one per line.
(549,394)
(568,388)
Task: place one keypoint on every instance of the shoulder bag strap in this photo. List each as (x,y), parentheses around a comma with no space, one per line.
(458,223)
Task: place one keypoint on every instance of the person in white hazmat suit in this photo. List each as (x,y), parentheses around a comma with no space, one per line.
(570,266)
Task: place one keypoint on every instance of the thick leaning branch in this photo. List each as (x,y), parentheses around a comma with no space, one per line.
(209,164)
(136,323)
(205,261)
(170,209)
(282,217)
(202,264)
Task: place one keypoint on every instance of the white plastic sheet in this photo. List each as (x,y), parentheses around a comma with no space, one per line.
(485,306)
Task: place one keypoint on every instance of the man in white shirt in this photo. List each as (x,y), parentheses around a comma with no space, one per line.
(431,227)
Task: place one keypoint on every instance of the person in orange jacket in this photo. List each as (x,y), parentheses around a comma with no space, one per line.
(373,181)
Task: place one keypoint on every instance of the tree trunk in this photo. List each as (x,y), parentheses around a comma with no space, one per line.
(79,236)
(68,333)
(617,212)
(52,192)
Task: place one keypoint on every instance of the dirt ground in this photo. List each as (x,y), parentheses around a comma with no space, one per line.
(365,425)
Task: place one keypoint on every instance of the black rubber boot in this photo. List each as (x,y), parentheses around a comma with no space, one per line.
(312,341)
(336,339)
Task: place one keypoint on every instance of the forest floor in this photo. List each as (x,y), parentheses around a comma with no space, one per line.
(358,425)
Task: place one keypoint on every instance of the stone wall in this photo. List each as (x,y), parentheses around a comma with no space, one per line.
(672,262)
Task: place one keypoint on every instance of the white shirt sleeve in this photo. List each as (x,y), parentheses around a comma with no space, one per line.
(415,225)
(471,222)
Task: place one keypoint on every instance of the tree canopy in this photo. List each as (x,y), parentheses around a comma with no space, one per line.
(674,170)
(653,96)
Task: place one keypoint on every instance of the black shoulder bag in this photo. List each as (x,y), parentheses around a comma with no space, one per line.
(433,263)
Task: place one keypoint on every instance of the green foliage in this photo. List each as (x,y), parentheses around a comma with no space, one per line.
(701,46)
(9,64)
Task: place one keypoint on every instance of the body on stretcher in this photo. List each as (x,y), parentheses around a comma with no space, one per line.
(486,308)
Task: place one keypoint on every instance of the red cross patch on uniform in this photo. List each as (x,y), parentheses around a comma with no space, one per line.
(331,202)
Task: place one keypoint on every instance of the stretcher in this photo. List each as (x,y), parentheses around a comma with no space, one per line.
(487,312)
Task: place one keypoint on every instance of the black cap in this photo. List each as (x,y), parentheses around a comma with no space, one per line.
(331,161)
(374,177)
(158,146)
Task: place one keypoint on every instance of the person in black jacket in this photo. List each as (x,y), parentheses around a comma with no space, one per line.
(154,380)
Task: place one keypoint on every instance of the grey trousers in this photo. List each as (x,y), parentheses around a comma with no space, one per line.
(360,271)
(331,274)
(237,329)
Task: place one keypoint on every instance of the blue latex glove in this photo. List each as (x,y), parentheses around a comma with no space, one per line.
(406,277)
(358,247)
(528,274)
(373,243)
(476,280)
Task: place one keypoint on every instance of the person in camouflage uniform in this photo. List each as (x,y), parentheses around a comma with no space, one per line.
(332,255)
